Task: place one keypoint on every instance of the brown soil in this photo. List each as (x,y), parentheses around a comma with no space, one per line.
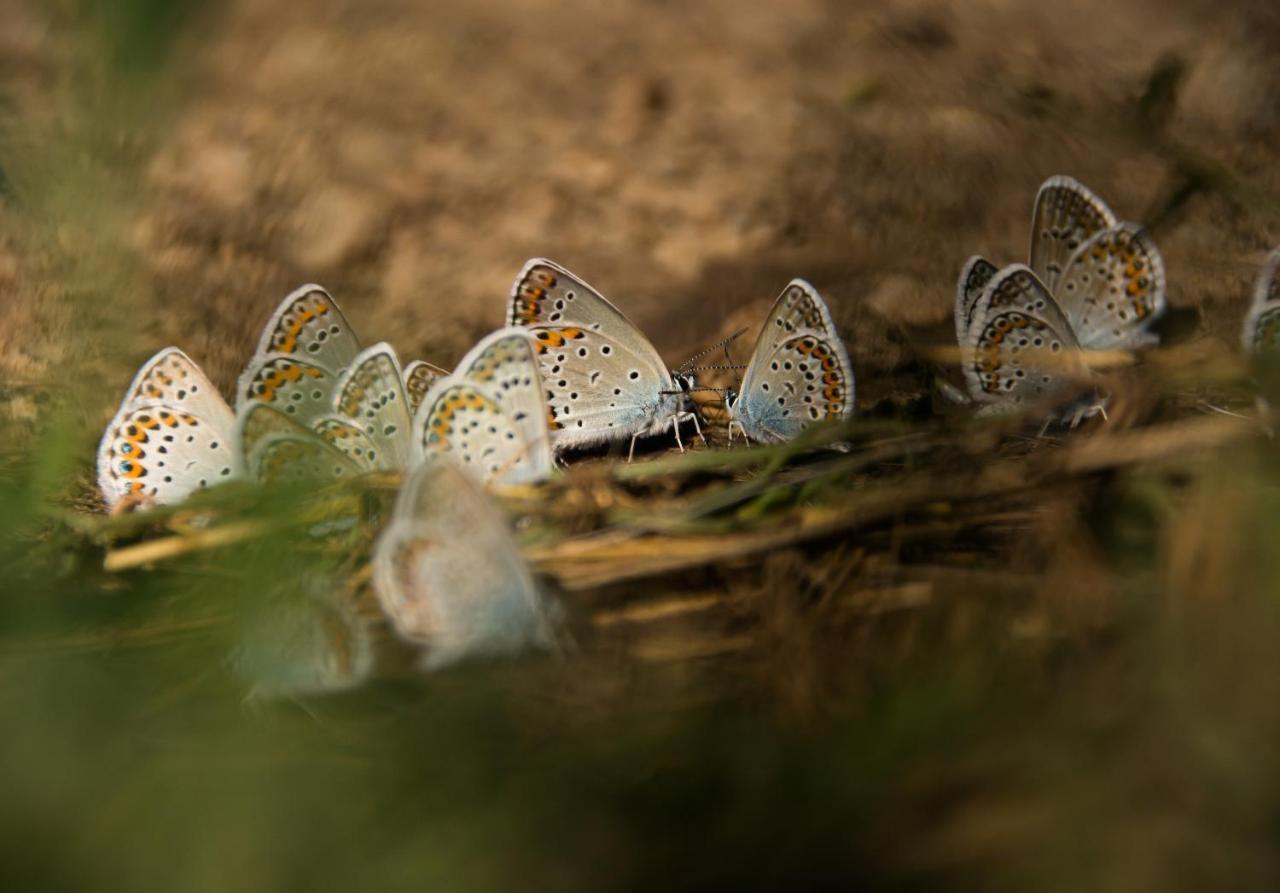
(687,159)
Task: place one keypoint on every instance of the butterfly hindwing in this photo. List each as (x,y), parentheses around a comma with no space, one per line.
(1021,349)
(799,372)
(599,389)
(490,416)
(173,434)
(1066,215)
(276,448)
(1112,289)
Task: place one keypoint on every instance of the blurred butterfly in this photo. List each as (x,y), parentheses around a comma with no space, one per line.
(799,372)
(604,380)
(419,376)
(309,643)
(1262,324)
(302,352)
(449,575)
(490,415)
(1107,277)
(1019,349)
(278,449)
(173,434)
(1092,283)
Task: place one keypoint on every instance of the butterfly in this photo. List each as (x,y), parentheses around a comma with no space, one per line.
(173,434)
(370,397)
(419,376)
(309,367)
(1262,324)
(604,380)
(302,352)
(310,642)
(490,415)
(799,372)
(1096,283)
(448,573)
(1019,348)
(275,448)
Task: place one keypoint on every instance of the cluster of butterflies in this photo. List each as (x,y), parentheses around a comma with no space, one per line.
(569,371)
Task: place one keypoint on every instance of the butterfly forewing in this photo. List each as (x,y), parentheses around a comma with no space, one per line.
(974,277)
(1262,325)
(1021,347)
(371,396)
(1112,289)
(419,376)
(309,326)
(1066,215)
(173,379)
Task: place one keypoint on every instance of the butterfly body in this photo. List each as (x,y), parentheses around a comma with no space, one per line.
(604,380)
(799,372)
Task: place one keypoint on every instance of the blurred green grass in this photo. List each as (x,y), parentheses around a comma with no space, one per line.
(1135,754)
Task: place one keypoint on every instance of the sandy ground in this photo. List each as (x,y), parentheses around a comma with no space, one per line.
(687,159)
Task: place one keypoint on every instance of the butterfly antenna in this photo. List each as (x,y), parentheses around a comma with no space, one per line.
(721,366)
(700,387)
(702,353)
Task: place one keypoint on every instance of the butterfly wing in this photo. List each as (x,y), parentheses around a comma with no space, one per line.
(276,448)
(306,326)
(1021,349)
(301,390)
(172,435)
(305,645)
(599,388)
(449,575)
(623,388)
(974,277)
(419,376)
(1066,214)
(1112,289)
(490,415)
(350,440)
(371,396)
(1262,325)
(799,372)
(173,379)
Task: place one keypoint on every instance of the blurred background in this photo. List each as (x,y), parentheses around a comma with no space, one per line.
(169,170)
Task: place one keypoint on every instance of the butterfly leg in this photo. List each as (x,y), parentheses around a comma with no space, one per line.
(631,453)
